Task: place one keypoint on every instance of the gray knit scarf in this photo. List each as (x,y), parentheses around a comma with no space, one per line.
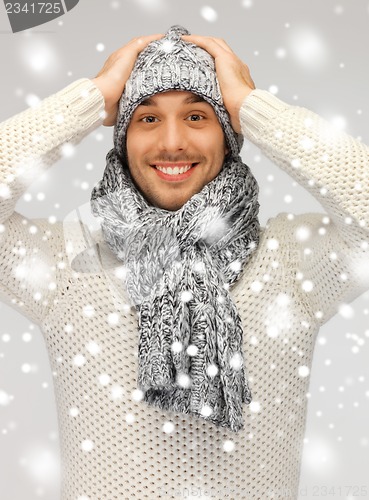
(180,268)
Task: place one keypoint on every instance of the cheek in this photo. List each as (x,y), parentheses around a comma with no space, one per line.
(220,149)
(131,145)
(217,142)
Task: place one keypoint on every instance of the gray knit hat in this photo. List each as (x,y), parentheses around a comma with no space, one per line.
(173,64)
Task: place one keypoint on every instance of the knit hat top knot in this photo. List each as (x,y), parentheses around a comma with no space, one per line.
(173,64)
(175,32)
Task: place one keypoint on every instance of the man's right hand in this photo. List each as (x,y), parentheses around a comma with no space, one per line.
(112,78)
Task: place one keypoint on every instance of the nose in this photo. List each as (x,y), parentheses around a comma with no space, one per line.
(172,136)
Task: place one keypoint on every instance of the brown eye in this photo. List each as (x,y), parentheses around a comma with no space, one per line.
(149,119)
(195,118)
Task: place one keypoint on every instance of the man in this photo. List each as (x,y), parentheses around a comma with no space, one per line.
(182,333)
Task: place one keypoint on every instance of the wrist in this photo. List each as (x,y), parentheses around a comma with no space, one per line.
(100,86)
(110,102)
(236,105)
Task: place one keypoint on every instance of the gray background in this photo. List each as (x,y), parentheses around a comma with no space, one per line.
(311,53)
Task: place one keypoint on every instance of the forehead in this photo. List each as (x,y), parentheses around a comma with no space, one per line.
(178,97)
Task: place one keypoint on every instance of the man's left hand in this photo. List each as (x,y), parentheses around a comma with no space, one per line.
(233,74)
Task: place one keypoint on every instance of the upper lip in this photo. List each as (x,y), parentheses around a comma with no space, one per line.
(172,164)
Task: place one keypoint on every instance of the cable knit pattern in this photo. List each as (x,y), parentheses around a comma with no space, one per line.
(114,446)
(179,266)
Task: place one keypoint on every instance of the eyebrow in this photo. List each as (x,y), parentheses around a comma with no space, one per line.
(189,100)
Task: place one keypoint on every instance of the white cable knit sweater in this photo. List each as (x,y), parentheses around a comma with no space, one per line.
(63,277)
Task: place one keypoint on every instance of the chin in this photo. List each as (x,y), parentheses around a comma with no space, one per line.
(172,207)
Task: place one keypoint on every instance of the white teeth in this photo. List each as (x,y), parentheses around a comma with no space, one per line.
(175,170)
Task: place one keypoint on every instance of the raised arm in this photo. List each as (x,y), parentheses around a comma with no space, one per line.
(31,142)
(329,251)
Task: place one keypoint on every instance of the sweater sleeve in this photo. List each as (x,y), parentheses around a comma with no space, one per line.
(330,250)
(31,142)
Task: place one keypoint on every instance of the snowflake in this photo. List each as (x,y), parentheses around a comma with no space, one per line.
(27,368)
(34,272)
(212,370)
(32,100)
(186,296)
(79,360)
(254,340)
(339,122)
(130,418)
(236,361)
(113,319)
(67,150)
(192,350)
(307,285)
(206,411)
(256,286)
(42,464)
(308,48)
(104,379)
(228,446)
(168,427)
(183,380)
(235,266)
(346,311)
(306,143)
(4,398)
(255,407)
(177,347)
(273,89)
(137,395)
(272,244)
(296,163)
(303,371)
(87,445)
(209,14)
(117,392)
(73,412)
(167,46)
(281,53)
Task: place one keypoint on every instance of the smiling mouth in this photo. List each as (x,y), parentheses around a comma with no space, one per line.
(175,168)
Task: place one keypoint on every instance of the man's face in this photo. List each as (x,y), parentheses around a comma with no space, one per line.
(175,146)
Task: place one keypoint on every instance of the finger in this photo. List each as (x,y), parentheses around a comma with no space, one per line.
(136,45)
(206,43)
(223,44)
(141,42)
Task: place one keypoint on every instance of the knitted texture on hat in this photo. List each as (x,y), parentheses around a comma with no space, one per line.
(179,267)
(173,64)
